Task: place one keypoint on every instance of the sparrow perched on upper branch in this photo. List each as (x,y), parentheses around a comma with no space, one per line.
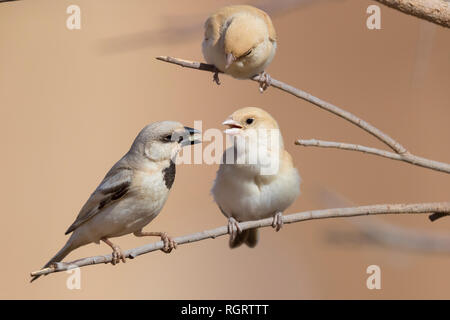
(133,192)
(240,41)
(250,190)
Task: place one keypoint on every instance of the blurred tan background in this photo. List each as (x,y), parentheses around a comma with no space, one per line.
(72,102)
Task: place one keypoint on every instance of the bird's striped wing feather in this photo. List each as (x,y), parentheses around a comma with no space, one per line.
(113,187)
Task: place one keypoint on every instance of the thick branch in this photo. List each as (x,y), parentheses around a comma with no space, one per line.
(428,208)
(436,11)
(402,152)
(406,157)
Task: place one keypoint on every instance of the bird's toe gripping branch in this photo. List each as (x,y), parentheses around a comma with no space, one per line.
(277,223)
(265,80)
(117,254)
(233,228)
(169,243)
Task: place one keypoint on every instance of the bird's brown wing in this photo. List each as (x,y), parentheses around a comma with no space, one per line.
(113,187)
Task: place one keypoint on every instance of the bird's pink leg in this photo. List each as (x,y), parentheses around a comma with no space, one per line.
(264,81)
(233,228)
(277,221)
(117,253)
(169,243)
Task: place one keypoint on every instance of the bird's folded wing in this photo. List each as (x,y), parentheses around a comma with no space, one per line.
(267,20)
(113,187)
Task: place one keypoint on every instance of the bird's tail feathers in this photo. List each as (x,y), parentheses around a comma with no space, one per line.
(68,247)
(249,237)
(252,238)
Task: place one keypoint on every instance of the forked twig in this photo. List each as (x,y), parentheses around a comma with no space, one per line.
(401,153)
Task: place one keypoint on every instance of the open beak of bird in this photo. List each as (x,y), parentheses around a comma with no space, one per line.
(230,59)
(234,127)
(190,136)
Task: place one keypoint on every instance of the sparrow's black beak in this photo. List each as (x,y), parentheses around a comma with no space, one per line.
(191,136)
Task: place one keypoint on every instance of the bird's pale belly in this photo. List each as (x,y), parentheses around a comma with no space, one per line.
(139,210)
(136,215)
(121,218)
(255,206)
(247,201)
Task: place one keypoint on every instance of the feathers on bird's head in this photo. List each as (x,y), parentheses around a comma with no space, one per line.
(163,140)
(256,138)
(249,118)
(243,34)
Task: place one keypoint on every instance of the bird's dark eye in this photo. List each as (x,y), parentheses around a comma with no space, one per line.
(249,120)
(167,138)
(247,53)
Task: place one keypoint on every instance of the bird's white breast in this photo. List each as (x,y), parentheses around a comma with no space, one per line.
(146,201)
(254,197)
(256,63)
(214,53)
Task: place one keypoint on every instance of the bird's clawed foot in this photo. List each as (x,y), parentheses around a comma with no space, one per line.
(264,81)
(169,243)
(233,228)
(117,254)
(216,78)
(278,221)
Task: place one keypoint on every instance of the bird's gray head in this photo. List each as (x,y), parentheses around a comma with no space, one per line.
(163,140)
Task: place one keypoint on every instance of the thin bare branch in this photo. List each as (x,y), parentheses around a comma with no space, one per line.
(435,207)
(406,157)
(435,11)
(394,145)
(402,152)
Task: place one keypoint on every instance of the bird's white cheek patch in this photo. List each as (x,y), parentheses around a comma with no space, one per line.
(232,131)
(239,64)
